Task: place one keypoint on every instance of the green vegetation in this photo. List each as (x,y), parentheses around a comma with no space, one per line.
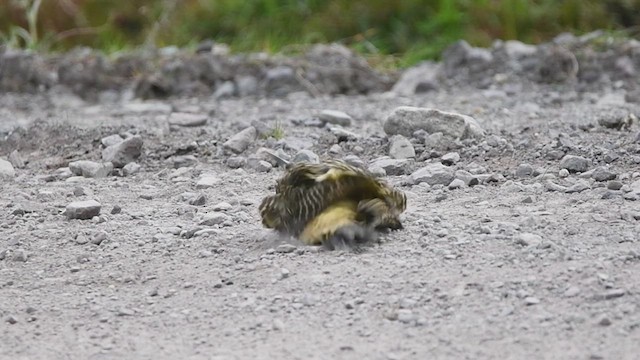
(406,30)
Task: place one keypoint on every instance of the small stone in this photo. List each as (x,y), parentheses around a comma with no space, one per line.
(529,239)
(198,200)
(116,210)
(527,200)
(604,321)
(111,140)
(222,206)
(354,160)
(83,210)
(11,320)
(456,184)
(3,254)
(392,166)
(259,165)
(450,158)
(131,169)
(125,312)
(530,300)
(614,185)
(227,89)
(306,156)
(405,120)
(575,163)
(81,239)
(91,169)
(74,269)
(124,152)
(572,291)
(615,119)
(284,273)
(343,135)
(401,148)
(187,119)
(579,186)
(377,171)
(406,316)
(215,218)
(277,325)
(182,161)
(286,248)
(335,117)
(613,294)
(207,181)
(524,170)
(602,174)
(610,157)
(468,178)
(7,172)
(239,142)
(433,174)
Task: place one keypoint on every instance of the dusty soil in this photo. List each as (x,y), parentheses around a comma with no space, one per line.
(507,269)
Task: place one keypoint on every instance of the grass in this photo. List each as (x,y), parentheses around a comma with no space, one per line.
(389,33)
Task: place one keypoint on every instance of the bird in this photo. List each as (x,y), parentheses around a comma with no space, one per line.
(332,203)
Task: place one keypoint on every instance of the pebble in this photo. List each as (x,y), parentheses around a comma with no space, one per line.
(99,237)
(187,119)
(392,166)
(83,210)
(575,163)
(259,165)
(406,316)
(524,170)
(284,273)
(11,320)
(91,169)
(602,174)
(306,156)
(295,143)
(450,158)
(614,185)
(198,200)
(613,294)
(81,239)
(124,152)
(239,142)
(433,174)
(354,160)
(207,181)
(615,119)
(529,239)
(377,171)
(7,172)
(343,134)
(579,186)
(401,148)
(183,161)
(226,89)
(563,173)
(111,140)
(335,149)
(19,256)
(335,117)
(405,120)
(468,178)
(131,169)
(604,320)
(572,291)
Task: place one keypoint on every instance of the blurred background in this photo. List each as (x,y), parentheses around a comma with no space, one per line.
(408,30)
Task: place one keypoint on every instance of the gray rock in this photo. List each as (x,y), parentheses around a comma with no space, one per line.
(392,166)
(296,144)
(563,173)
(222,206)
(91,169)
(246,85)
(354,160)
(281,80)
(335,149)
(610,157)
(616,119)
(579,186)
(433,174)
(19,256)
(614,185)
(236,162)
(215,218)
(468,178)
(450,158)
(524,170)
(575,163)
(207,181)
(259,165)
(187,119)
(286,248)
(239,142)
(461,55)
(635,187)
(529,239)
(83,209)
(99,237)
(111,140)
(401,148)
(124,152)
(343,135)
(603,174)
(530,300)
(16,159)
(306,156)
(131,168)
(198,200)
(7,172)
(405,120)
(335,117)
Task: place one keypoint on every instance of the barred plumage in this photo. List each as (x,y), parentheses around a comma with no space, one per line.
(313,201)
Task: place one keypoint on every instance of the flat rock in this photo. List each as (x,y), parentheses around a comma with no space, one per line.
(450,158)
(111,140)
(239,142)
(602,174)
(401,148)
(406,120)
(91,169)
(7,172)
(16,159)
(83,210)
(214,218)
(392,166)
(124,152)
(187,119)
(207,181)
(574,163)
(468,178)
(335,117)
(433,174)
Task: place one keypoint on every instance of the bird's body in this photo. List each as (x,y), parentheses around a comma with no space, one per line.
(317,202)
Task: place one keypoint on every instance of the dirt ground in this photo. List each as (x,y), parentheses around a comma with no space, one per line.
(517,267)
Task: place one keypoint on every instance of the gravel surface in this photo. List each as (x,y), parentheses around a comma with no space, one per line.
(130,229)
